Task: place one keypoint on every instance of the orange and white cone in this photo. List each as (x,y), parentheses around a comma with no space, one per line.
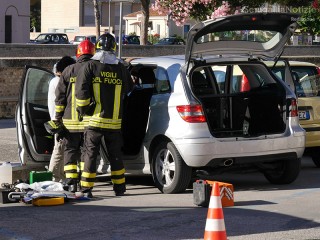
(215,227)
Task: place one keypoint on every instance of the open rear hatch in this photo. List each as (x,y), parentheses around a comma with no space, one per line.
(258,35)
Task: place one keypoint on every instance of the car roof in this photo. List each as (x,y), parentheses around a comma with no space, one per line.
(164,61)
(85,36)
(299,63)
(52,34)
(293,63)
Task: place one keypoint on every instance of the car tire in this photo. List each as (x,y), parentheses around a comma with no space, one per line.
(285,172)
(170,173)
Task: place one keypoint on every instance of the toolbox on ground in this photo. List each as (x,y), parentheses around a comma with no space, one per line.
(202,193)
(40,176)
(4,193)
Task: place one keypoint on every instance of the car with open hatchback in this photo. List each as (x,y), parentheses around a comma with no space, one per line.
(182,121)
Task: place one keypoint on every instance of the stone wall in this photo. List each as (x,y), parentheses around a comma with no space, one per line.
(14,57)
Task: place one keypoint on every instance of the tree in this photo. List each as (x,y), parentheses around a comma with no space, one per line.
(200,10)
(310,19)
(35,16)
(97,17)
(145,22)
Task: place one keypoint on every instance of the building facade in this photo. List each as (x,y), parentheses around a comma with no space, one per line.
(160,24)
(76,17)
(15,24)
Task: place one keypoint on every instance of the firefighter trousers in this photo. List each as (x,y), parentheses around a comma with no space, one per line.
(72,156)
(92,143)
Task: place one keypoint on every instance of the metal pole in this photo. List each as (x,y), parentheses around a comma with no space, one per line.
(120,32)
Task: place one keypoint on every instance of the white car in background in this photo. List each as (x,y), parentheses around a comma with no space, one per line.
(181,122)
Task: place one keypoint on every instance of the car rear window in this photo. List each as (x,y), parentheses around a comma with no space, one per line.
(244,77)
(79,38)
(243,35)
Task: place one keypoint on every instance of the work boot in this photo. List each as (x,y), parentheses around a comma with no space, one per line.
(119,189)
(87,192)
(73,188)
(70,185)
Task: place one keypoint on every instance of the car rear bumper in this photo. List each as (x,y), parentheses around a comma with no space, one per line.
(204,151)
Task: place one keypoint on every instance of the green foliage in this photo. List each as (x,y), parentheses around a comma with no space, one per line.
(35,16)
(153,38)
(310,21)
(177,36)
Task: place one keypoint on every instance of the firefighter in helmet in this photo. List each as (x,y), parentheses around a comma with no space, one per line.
(101,87)
(66,110)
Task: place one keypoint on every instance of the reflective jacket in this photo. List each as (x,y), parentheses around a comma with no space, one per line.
(100,90)
(65,103)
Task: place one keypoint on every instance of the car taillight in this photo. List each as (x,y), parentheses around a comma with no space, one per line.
(191,113)
(245,86)
(293,108)
(318,70)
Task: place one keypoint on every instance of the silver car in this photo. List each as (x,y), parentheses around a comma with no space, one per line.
(186,119)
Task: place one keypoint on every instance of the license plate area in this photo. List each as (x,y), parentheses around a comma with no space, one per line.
(304,115)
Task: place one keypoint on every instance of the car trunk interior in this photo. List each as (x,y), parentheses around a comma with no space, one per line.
(240,100)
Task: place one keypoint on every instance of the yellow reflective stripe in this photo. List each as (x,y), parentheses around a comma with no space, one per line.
(105,121)
(82,103)
(70,167)
(106,126)
(72,175)
(52,124)
(73,124)
(81,166)
(59,108)
(118,181)
(88,175)
(119,172)
(86,184)
(116,104)
(72,127)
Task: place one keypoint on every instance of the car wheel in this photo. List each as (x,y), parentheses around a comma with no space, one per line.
(170,173)
(285,172)
(315,155)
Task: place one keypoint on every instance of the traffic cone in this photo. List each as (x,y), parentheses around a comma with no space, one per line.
(215,227)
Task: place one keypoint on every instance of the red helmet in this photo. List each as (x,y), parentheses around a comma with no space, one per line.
(85,47)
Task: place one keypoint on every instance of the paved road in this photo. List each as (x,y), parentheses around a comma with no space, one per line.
(261,211)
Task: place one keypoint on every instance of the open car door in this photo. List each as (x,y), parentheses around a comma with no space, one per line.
(35,144)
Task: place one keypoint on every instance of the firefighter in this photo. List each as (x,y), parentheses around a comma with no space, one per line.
(55,127)
(101,87)
(66,110)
